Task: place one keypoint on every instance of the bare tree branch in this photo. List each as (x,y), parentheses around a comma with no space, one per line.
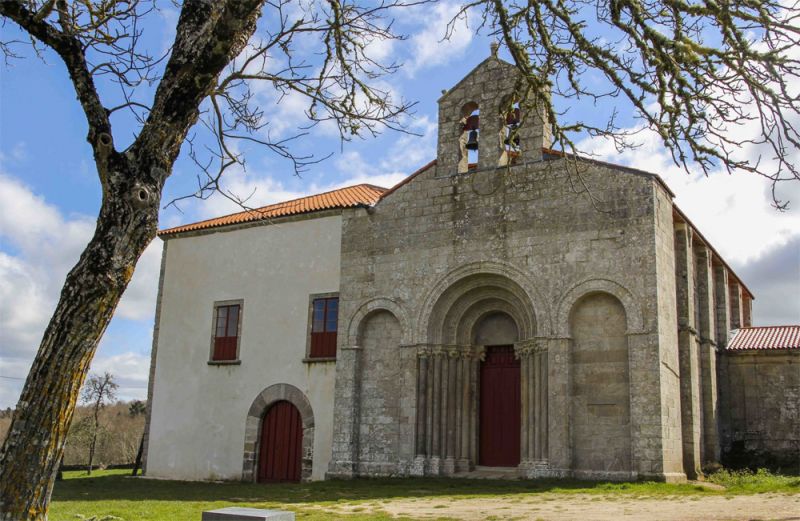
(696,73)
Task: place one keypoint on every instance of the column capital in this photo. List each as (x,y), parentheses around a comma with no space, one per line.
(528,347)
(443,350)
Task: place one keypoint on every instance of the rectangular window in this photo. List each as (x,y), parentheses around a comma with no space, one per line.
(226,332)
(324,324)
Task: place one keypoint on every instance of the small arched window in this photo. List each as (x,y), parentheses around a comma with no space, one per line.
(470,136)
(511,140)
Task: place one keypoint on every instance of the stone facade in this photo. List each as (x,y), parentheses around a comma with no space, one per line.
(611,294)
(617,308)
(761,408)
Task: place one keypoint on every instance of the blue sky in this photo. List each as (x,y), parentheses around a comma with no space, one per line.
(49,193)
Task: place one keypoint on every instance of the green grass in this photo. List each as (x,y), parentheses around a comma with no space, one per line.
(113,493)
(749,482)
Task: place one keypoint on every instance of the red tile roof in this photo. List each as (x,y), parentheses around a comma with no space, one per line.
(358,195)
(369,195)
(769,337)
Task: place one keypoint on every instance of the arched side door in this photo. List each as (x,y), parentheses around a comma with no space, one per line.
(280,450)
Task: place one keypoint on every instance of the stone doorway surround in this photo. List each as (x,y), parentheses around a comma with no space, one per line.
(454,324)
(261,404)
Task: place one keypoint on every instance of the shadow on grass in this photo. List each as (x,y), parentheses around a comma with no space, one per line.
(116,486)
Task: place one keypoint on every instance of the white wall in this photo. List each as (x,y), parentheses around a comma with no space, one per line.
(199,410)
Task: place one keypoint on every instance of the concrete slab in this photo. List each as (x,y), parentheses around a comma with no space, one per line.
(247,514)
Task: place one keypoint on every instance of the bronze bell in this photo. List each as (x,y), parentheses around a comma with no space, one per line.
(512,128)
(472,140)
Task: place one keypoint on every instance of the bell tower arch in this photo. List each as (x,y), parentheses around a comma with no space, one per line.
(485,123)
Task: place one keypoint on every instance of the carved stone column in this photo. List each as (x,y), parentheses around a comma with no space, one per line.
(448,410)
(478,355)
(435,383)
(534,403)
(542,404)
(421,442)
(464,408)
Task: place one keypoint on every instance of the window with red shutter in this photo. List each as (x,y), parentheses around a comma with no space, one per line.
(226,332)
(324,324)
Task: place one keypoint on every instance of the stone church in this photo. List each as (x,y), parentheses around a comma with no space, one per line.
(488,312)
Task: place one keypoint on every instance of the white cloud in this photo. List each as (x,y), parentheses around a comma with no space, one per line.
(430,48)
(734,212)
(256,190)
(401,158)
(38,246)
(130,370)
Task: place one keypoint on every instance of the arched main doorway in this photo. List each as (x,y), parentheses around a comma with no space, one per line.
(280,450)
(472,373)
(499,400)
(500,408)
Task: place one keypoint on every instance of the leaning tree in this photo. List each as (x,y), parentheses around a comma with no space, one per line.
(221,49)
(691,70)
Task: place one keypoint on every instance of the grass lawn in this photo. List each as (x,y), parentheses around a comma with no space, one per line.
(114,493)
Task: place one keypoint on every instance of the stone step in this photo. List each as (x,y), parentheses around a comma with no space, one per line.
(481,472)
(247,514)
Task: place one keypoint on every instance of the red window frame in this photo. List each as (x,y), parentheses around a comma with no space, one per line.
(226,332)
(324,326)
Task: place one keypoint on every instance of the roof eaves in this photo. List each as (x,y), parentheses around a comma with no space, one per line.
(760,338)
(326,201)
(622,168)
(405,181)
(713,250)
(663,184)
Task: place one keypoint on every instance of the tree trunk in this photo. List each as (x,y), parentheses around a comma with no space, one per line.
(209,35)
(33,449)
(138,463)
(94,430)
(91,451)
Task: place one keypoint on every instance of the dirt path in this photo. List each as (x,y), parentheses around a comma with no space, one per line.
(596,508)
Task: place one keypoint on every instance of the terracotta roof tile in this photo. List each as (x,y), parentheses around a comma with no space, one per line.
(769,337)
(358,195)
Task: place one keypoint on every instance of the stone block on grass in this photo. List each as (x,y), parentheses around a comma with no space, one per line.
(247,514)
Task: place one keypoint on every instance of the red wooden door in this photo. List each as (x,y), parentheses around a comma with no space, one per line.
(280,452)
(500,408)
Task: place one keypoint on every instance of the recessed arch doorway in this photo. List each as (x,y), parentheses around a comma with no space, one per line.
(499,400)
(280,450)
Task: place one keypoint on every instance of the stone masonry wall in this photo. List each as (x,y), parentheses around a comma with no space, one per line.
(600,413)
(528,234)
(762,424)
(379,418)
(525,218)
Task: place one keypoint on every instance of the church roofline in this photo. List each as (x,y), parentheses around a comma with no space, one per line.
(765,338)
(663,184)
(406,180)
(348,197)
(368,195)
(467,76)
